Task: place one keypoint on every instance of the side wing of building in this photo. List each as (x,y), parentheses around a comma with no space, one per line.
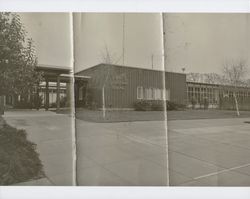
(125,85)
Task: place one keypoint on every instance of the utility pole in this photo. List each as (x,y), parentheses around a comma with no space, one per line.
(152,61)
(164,40)
(123,38)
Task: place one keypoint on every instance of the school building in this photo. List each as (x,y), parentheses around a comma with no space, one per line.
(121,86)
(124,85)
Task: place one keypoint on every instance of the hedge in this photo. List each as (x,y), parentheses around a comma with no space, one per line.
(157,105)
(19,161)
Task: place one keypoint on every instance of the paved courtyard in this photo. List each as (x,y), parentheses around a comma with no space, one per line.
(207,152)
(52,134)
(121,153)
(214,152)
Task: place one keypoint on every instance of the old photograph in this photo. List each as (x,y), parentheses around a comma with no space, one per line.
(125,99)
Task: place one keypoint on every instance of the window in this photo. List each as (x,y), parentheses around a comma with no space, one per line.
(81,93)
(167,94)
(149,93)
(162,94)
(157,94)
(139,92)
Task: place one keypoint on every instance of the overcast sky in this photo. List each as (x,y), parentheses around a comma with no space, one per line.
(51,34)
(198,42)
(142,39)
(203,42)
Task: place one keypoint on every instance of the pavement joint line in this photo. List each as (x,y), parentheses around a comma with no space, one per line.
(141,140)
(193,157)
(115,174)
(32,115)
(50,180)
(104,166)
(226,143)
(222,171)
(53,140)
(209,163)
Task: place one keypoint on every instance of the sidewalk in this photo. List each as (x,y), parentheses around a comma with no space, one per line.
(53,135)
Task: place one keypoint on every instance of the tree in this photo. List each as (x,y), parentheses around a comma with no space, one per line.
(17,58)
(194,77)
(212,78)
(234,75)
(109,79)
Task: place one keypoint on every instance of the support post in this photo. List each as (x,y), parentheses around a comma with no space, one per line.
(103,103)
(2,105)
(58,94)
(47,95)
(37,97)
(68,93)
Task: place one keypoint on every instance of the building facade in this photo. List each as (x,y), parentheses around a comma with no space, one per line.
(120,87)
(123,86)
(200,95)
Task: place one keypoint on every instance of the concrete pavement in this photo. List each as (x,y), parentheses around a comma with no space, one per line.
(207,152)
(53,135)
(120,154)
(210,152)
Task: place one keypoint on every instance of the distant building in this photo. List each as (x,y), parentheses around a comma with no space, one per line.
(125,85)
(217,96)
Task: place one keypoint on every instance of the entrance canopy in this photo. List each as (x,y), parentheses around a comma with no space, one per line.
(59,75)
(51,73)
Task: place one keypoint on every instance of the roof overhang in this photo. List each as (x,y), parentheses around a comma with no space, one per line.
(52,70)
(75,76)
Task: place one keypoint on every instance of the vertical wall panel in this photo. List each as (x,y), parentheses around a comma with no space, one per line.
(148,78)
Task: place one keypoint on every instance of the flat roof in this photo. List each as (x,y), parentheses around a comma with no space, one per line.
(53,68)
(76,76)
(131,67)
(218,85)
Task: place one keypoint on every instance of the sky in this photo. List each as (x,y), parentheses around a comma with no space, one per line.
(51,35)
(96,32)
(197,42)
(204,42)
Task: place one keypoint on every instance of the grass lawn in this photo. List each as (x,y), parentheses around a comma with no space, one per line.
(205,114)
(19,161)
(127,116)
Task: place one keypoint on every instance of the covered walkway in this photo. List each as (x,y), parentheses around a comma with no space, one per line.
(60,75)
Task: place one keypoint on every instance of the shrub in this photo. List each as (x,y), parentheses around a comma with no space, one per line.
(142,105)
(206,103)
(157,105)
(193,102)
(38,101)
(33,103)
(173,106)
(23,105)
(63,101)
(19,160)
